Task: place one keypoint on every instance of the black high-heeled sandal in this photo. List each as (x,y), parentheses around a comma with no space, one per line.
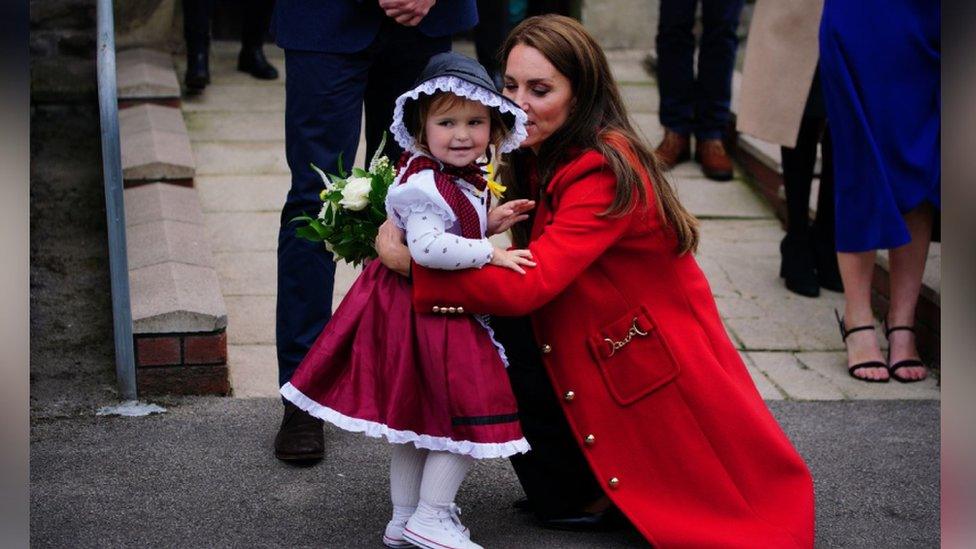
(844,332)
(907,363)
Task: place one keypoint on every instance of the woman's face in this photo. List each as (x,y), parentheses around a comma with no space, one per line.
(544,93)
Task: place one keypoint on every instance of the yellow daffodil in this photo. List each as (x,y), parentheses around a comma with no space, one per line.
(495,187)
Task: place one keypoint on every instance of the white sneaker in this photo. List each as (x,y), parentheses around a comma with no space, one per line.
(393,535)
(434,528)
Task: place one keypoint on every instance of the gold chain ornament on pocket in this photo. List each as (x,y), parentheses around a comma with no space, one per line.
(634,330)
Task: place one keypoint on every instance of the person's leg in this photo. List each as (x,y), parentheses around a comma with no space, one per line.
(400,57)
(823,233)
(856,269)
(323,106)
(798,267)
(554,474)
(434,523)
(406,472)
(196,31)
(489,34)
(675,64)
(716,61)
(907,267)
(257,20)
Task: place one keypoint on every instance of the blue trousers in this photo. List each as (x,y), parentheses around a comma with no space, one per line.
(324,98)
(689,103)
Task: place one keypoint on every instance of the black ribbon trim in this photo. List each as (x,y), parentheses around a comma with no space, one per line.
(484,420)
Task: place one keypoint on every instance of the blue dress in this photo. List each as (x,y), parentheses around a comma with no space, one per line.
(879,63)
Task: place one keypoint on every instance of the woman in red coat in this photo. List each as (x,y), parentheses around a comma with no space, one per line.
(654,392)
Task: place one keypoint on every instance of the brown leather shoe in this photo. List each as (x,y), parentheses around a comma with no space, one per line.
(300,437)
(673,150)
(715,162)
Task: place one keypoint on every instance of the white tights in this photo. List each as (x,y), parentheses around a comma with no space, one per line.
(423,475)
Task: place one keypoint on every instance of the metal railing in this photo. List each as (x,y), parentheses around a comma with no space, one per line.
(108,107)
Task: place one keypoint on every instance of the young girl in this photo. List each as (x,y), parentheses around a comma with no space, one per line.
(432,382)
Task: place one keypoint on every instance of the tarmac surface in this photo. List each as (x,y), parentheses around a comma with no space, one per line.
(203,475)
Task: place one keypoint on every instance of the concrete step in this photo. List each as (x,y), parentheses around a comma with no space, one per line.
(155,146)
(145,75)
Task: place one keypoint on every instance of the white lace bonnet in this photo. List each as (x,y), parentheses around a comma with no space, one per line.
(464,77)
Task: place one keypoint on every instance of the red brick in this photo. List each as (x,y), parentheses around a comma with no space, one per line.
(206,349)
(157,351)
(183,380)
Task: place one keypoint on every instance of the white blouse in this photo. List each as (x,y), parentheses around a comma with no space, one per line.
(432,229)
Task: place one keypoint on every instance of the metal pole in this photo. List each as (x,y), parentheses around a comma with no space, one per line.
(114,206)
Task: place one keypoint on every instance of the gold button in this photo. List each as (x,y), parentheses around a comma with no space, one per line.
(436,309)
(460,310)
(546,349)
(614,482)
(569,395)
(452,310)
(590,440)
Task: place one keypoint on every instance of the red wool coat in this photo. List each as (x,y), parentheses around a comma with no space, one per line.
(657,396)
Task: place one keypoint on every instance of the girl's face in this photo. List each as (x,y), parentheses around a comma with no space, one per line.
(544,93)
(458,135)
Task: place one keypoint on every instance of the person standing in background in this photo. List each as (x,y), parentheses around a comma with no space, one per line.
(197,15)
(340,56)
(880,65)
(781,101)
(696,104)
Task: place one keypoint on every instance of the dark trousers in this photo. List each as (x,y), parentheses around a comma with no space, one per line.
(324,98)
(554,474)
(689,103)
(198,13)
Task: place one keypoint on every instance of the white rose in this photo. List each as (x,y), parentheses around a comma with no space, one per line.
(355,195)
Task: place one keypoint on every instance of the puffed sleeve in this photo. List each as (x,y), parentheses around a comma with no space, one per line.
(417,207)
(434,248)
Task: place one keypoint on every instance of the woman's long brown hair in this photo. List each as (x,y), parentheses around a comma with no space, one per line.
(597,121)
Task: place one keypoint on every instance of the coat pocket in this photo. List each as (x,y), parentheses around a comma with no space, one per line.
(633,357)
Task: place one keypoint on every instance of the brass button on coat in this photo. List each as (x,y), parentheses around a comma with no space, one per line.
(460,310)
(614,482)
(436,309)
(569,395)
(546,349)
(452,310)
(590,440)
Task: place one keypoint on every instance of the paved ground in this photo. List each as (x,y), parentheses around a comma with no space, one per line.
(202,474)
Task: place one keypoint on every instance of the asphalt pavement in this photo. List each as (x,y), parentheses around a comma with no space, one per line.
(203,475)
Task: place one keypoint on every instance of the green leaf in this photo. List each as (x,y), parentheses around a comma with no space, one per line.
(359,172)
(342,171)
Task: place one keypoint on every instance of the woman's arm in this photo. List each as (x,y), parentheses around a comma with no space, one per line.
(574,240)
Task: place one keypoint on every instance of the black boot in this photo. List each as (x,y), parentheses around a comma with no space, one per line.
(300,439)
(798,266)
(253,62)
(824,245)
(197,70)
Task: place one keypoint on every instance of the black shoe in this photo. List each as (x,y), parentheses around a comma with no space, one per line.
(197,71)
(522,505)
(253,62)
(828,273)
(844,332)
(798,266)
(300,440)
(609,519)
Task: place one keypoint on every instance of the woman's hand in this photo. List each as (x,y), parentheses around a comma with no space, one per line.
(392,251)
(503,216)
(512,259)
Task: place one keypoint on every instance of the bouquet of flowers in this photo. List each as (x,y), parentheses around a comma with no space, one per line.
(353,208)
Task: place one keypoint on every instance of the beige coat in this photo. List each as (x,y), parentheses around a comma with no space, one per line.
(781,57)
